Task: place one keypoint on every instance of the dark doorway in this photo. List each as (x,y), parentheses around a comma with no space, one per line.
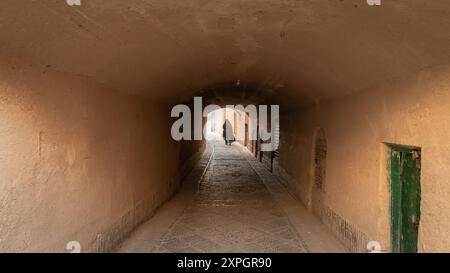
(405,198)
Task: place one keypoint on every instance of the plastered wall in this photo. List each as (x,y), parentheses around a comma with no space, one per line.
(411,111)
(78,161)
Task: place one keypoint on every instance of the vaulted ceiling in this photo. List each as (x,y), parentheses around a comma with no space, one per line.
(300,50)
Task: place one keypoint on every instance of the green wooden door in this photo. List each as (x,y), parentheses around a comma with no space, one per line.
(405,199)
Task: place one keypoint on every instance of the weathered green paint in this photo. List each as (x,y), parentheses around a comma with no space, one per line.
(410,202)
(405,199)
(395,200)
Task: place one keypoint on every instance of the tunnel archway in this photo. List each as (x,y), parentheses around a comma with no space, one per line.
(85,109)
(238,97)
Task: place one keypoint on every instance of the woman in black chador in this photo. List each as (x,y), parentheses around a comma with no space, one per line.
(227,132)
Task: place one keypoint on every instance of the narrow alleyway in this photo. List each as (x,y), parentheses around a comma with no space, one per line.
(239,207)
(104,107)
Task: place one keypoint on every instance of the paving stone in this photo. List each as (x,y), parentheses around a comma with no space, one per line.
(233,212)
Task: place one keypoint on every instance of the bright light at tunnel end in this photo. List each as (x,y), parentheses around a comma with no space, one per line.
(258,117)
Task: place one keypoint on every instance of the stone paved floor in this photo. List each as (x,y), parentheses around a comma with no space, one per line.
(234,210)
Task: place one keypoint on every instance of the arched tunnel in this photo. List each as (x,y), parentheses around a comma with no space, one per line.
(87,88)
